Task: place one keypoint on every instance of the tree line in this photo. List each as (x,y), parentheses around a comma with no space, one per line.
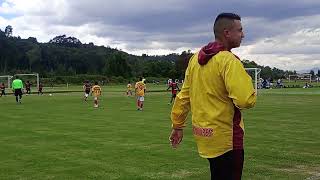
(67,56)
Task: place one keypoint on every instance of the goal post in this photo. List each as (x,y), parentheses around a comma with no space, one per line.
(255,77)
(34,74)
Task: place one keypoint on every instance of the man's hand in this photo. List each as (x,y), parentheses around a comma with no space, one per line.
(176,137)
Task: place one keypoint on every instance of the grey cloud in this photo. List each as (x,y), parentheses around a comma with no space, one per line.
(268,25)
(151,19)
(280,50)
(145,20)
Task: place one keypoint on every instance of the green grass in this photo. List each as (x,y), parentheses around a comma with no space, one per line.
(79,88)
(62,137)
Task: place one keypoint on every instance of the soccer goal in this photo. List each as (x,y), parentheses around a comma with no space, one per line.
(7,79)
(35,74)
(255,74)
(303,77)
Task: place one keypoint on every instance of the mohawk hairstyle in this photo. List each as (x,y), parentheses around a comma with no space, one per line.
(221,21)
(231,16)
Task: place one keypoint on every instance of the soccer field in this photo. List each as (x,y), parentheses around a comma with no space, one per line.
(63,137)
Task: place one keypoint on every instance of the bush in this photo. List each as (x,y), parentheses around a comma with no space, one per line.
(103,80)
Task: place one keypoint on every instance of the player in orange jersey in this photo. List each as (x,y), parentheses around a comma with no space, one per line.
(129,89)
(96,92)
(140,89)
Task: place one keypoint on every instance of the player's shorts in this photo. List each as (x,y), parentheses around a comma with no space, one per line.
(140,98)
(18,92)
(228,165)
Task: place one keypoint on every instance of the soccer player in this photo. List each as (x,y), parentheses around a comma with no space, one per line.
(169,81)
(96,91)
(17,87)
(140,90)
(211,91)
(40,89)
(3,89)
(86,89)
(28,87)
(174,88)
(129,89)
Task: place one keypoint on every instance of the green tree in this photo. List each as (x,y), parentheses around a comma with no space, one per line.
(249,64)
(266,72)
(8,31)
(117,65)
(181,64)
(33,55)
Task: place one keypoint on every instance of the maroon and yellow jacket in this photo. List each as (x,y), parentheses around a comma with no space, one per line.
(215,88)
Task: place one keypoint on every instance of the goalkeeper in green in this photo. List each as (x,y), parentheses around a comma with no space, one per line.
(17,87)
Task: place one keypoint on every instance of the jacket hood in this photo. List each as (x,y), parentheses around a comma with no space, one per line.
(206,52)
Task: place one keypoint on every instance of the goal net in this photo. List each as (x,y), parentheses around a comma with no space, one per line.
(32,78)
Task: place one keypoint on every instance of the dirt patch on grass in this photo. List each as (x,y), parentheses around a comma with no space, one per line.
(313,173)
(180,174)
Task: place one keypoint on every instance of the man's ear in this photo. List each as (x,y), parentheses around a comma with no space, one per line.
(226,33)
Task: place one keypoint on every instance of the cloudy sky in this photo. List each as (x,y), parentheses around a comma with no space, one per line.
(283,34)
